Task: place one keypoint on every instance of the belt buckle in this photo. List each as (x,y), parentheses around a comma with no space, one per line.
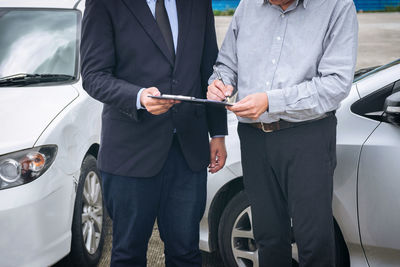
(263,129)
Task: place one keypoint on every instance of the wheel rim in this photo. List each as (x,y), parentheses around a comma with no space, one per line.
(92,212)
(243,244)
(242,240)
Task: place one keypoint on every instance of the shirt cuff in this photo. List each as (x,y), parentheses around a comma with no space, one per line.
(276,101)
(217,136)
(138,105)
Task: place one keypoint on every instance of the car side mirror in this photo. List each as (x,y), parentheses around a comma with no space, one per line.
(392,109)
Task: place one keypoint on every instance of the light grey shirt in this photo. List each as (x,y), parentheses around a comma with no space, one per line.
(303,58)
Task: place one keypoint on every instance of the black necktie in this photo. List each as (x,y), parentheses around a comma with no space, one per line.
(165,26)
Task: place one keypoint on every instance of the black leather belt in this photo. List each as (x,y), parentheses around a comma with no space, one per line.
(281,124)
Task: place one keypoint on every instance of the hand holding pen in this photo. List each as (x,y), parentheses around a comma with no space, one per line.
(251,106)
(218,91)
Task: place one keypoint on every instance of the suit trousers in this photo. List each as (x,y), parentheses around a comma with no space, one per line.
(176,197)
(288,178)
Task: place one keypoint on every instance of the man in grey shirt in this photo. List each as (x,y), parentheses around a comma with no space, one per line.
(292,62)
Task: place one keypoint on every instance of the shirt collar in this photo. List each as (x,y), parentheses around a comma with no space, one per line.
(305,2)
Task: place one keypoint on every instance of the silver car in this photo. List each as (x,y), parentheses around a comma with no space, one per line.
(366,200)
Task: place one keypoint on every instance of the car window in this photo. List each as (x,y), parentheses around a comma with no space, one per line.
(364,73)
(35,41)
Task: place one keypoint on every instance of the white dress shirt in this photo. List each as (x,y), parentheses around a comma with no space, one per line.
(170,6)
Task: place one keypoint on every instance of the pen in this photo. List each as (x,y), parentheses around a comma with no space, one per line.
(219,77)
(228,99)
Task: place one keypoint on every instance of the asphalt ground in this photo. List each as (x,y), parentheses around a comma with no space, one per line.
(379,43)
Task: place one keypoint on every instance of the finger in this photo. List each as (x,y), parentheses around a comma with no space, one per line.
(215,97)
(155,101)
(223,88)
(156,108)
(220,165)
(173,102)
(154,91)
(216,91)
(158,111)
(240,107)
(165,106)
(220,85)
(215,167)
(229,90)
(222,160)
(245,114)
(248,100)
(245,100)
(213,158)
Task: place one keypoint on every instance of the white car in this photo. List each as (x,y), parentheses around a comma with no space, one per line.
(366,197)
(50,191)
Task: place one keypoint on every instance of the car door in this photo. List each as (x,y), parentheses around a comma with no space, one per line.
(379,194)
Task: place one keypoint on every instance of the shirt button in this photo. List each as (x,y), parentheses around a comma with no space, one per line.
(267,83)
(283,15)
(278,38)
(273,61)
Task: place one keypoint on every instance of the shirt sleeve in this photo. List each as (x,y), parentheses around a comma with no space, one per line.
(138,104)
(227,57)
(336,68)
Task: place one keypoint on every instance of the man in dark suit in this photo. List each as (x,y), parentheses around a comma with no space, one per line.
(154,153)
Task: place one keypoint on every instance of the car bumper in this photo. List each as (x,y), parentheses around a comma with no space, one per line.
(35,221)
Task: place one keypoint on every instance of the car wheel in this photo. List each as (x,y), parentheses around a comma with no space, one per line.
(235,235)
(89,217)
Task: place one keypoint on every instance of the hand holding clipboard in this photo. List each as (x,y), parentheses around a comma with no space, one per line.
(228,101)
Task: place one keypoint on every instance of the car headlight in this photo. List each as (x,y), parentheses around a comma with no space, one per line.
(24,166)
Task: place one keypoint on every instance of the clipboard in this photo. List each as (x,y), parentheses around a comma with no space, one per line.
(191,99)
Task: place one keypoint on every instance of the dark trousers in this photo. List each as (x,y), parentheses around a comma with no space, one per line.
(288,174)
(176,197)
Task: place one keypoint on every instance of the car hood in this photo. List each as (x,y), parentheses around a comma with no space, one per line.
(25,112)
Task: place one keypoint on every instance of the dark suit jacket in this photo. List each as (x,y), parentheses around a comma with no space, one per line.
(123,51)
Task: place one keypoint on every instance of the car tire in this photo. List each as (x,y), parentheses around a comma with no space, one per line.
(89,217)
(236,216)
(236,221)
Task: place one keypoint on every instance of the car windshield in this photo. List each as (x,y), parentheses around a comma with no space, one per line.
(364,73)
(40,42)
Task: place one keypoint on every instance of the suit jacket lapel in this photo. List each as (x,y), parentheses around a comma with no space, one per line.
(184,9)
(143,14)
